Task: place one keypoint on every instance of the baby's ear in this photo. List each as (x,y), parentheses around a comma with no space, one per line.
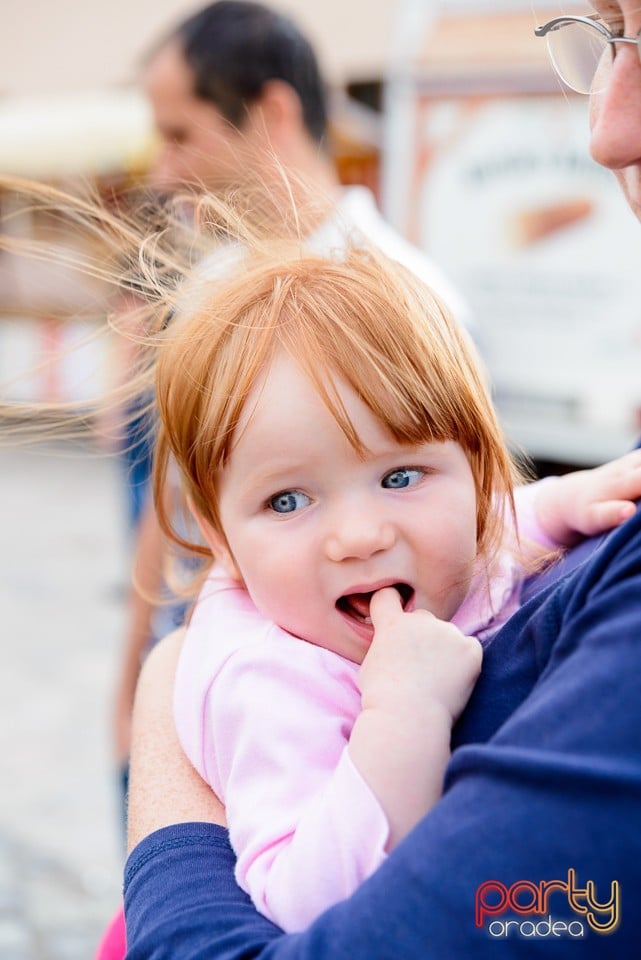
(217,544)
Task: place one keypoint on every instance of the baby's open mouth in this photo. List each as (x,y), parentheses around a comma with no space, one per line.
(356,605)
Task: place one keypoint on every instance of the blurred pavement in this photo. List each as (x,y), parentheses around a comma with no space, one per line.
(63,574)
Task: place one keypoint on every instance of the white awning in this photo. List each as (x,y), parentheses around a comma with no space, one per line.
(76,133)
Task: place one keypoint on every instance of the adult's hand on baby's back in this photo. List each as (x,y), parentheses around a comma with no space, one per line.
(416,662)
(164,788)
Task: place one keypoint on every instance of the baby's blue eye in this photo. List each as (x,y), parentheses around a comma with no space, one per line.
(289,501)
(398,479)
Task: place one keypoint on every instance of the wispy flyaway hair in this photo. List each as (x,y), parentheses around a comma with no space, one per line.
(206,335)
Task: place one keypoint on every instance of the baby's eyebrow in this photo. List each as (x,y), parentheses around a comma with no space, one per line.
(282,475)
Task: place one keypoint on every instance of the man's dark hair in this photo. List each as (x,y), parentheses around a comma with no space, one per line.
(235,47)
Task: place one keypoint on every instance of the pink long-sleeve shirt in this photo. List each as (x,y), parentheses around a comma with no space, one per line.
(266,717)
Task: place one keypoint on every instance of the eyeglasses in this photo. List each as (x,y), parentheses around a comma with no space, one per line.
(581,49)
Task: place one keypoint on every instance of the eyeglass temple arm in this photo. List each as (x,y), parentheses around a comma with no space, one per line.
(558,22)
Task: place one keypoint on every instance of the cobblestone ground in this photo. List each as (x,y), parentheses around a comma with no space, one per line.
(63,568)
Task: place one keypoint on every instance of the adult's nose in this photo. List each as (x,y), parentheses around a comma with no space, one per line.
(163,174)
(615,112)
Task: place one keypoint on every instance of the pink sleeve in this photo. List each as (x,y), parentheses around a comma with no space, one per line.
(266,720)
(306,828)
(491,600)
(526,517)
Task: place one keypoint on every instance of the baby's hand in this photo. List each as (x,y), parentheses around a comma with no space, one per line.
(415,680)
(416,661)
(588,502)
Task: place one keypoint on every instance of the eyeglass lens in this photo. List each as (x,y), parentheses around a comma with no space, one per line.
(576,50)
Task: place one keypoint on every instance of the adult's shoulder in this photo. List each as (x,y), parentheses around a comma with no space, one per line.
(588,621)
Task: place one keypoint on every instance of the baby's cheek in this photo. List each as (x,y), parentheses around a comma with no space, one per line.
(271,596)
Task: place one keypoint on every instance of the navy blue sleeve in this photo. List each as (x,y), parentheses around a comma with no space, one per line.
(545,788)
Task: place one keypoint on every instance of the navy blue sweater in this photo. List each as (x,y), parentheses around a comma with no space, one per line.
(535,843)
